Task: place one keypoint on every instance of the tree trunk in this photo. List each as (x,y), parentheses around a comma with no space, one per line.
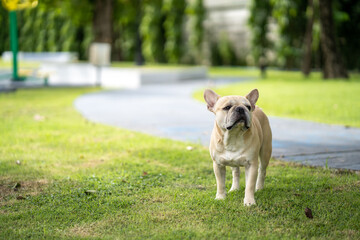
(102,22)
(139,58)
(306,65)
(333,66)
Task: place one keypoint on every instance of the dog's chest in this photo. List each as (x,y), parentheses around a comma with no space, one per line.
(231,158)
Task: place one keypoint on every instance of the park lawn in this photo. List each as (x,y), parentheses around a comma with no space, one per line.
(288,94)
(144,186)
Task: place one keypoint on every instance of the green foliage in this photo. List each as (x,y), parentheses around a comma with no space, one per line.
(67,35)
(223,51)
(4,30)
(79,12)
(197,13)
(347,18)
(52,26)
(127,17)
(85,39)
(28,28)
(48,28)
(290,17)
(152,31)
(173,25)
(67,26)
(260,12)
(227,52)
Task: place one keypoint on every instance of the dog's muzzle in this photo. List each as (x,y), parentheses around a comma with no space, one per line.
(238,115)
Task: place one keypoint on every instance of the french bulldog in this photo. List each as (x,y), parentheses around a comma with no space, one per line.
(241,137)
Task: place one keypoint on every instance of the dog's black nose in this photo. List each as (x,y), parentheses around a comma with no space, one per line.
(240,110)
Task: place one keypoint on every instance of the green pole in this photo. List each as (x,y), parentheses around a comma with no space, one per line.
(14,43)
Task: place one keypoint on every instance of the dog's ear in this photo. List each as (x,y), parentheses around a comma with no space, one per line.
(211,98)
(253,97)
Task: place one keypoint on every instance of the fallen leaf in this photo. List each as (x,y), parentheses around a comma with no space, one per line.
(308,213)
(88,192)
(144,173)
(16,186)
(20,198)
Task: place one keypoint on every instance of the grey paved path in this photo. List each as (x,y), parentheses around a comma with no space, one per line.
(169,111)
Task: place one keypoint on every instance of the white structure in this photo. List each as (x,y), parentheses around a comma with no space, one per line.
(100,54)
(230,17)
(84,74)
(59,57)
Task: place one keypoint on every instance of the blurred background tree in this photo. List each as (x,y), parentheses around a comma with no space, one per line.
(4,30)
(152,31)
(291,21)
(174,27)
(260,14)
(126,27)
(347,19)
(196,12)
(322,30)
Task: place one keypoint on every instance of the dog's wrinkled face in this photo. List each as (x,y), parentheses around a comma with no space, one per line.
(232,112)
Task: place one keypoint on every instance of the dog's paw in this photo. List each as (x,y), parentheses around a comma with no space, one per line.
(249,202)
(220,196)
(232,189)
(259,187)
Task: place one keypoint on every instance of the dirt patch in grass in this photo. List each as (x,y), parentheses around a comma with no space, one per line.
(355,185)
(19,190)
(335,172)
(278,162)
(84,230)
(93,163)
(165,165)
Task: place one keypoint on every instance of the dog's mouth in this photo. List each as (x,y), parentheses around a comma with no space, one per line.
(237,122)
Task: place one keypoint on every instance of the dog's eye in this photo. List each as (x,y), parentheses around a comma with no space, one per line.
(227,107)
(248,107)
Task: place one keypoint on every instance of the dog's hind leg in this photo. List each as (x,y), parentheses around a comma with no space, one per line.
(236,177)
(264,158)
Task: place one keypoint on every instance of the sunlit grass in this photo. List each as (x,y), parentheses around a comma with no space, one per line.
(144,186)
(21,64)
(289,94)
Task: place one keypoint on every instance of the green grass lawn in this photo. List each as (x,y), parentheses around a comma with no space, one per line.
(146,187)
(288,94)
(21,64)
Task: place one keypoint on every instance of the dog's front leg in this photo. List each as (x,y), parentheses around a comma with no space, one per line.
(236,175)
(251,171)
(220,172)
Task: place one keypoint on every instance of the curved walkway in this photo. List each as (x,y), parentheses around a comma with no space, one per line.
(170,111)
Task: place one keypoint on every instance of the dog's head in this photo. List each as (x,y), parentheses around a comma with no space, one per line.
(232,112)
